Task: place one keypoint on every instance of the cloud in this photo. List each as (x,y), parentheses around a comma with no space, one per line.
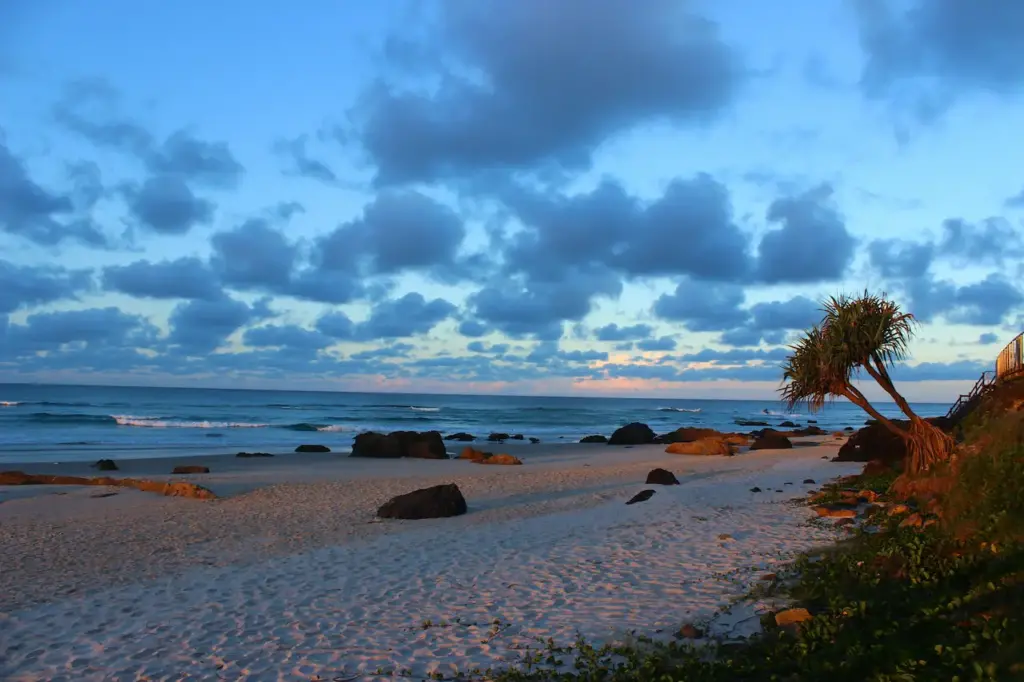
(407,316)
(988,338)
(298,161)
(89,328)
(901,259)
(37,214)
(991,241)
(167,205)
(89,108)
(613,332)
(337,325)
(987,302)
(188,278)
(925,54)
(811,244)
(660,343)
(473,329)
(254,256)
(287,336)
(1016,201)
(960,370)
(703,306)
(200,326)
(22,286)
(550,82)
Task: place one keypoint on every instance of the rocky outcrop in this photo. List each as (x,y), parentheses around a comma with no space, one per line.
(687,434)
(704,446)
(439,501)
(632,434)
(661,477)
(312,448)
(191,469)
(771,440)
(461,436)
(534,441)
(481,457)
(418,445)
(596,438)
(748,422)
(166,488)
(253,454)
(497,437)
(105,465)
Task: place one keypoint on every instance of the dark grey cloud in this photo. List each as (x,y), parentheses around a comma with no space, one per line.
(613,332)
(988,338)
(551,81)
(988,242)
(300,163)
(167,205)
(188,278)
(287,336)
(90,109)
(254,255)
(473,329)
(22,286)
(89,328)
(40,215)
(199,327)
(407,316)
(392,350)
(798,312)
(703,306)
(812,243)
(399,231)
(901,259)
(656,344)
(924,54)
(337,325)
(1016,201)
(960,370)
(749,336)
(987,302)
(492,349)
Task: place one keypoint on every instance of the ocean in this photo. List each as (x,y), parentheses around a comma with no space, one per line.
(78,423)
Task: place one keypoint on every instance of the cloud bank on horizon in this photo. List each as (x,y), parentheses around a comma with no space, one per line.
(575,197)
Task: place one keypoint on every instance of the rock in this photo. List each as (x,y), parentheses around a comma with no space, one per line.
(106,465)
(844,522)
(768,577)
(497,437)
(439,501)
(706,446)
(875,441)
(499,459)
(167,488)
(724,536)
(102,495)
(641,496)
(812,421)
(835,511)
(876,467)
(788,425)
(517,436)
(792,617)
(689,631)
(755,489)
(688,434)
(461,436)
(534,441)
(807,431)
(191,469)
(748,422)
(809,481)
(848,428)
(312,448)
(419,445)
(473,455)
(771,441)
(632,434)
(661,477)
(594,439)
(253,454)
(912,521)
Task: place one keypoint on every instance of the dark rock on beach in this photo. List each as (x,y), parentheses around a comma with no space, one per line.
(594,439)
(687,434)
(461,436)
(191,469)
(534,441)
(419,445)
(788,425)
(312,448)
(771,440)
(253,454)
(755,489)
(106,465)
(517,436)
(749,422)
(497,437)
(661,477)
(632,434)
(641,496)
(439,501)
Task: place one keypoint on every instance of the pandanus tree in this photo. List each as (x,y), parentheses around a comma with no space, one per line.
(866,334)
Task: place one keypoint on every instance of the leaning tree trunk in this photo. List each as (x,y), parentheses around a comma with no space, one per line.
(927,445)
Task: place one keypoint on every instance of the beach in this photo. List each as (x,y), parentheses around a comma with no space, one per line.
(289,575)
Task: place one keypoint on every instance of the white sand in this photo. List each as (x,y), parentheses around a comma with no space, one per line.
(300,581)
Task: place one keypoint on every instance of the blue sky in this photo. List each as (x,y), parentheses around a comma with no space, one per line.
(592,197)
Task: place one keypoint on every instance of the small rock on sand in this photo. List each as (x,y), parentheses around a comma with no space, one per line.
(312,448)
(191,469)
(661,477)
(439,501)
(106,465)
(792,617)
(641,496)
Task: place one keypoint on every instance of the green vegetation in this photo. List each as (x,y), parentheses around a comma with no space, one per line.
(867,333)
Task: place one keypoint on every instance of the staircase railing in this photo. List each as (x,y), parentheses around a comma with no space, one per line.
(1009,365)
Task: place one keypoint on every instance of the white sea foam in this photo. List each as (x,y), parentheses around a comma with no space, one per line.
(158,423)
(679,409)
(425,409)
(9,403)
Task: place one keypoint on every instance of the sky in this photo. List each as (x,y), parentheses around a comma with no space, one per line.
(580,197)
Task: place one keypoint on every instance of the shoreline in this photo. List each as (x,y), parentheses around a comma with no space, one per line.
(295,545)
